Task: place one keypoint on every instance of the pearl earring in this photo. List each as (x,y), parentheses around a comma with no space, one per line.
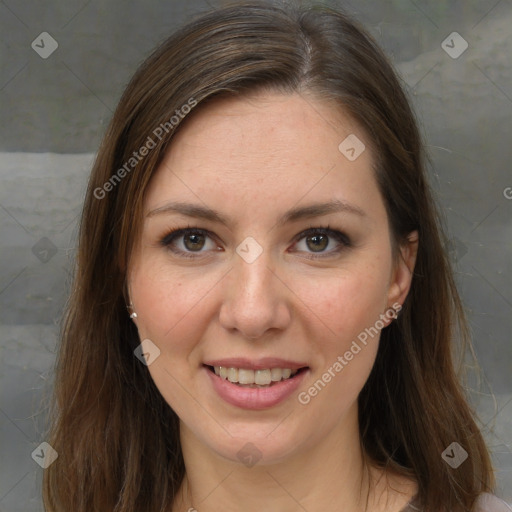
(133,314)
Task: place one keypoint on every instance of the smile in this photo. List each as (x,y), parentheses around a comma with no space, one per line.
(241,387)
(254,378)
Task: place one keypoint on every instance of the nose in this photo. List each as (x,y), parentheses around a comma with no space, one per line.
(255,299)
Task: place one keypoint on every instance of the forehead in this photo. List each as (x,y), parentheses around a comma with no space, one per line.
(263,127)
(267,147)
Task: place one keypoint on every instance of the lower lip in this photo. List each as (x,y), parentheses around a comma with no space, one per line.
(255,398)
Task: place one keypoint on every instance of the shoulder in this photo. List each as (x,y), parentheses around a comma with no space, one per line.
(489,503)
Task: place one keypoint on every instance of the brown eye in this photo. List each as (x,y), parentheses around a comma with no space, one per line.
(321,242)
(189,242)
(317,243)
(194,241)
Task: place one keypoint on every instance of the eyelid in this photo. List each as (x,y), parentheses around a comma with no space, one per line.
(327,230)
(176,233)
(339,236)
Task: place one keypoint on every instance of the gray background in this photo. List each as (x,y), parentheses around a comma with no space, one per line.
(55,110)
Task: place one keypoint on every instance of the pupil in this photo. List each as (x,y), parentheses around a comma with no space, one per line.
(196,241)
(320,242)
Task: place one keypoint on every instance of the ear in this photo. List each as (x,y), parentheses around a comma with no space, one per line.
(401,277)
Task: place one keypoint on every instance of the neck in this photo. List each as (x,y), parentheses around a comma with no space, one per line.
(312,479)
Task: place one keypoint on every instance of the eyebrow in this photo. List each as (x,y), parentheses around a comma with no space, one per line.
(293,215)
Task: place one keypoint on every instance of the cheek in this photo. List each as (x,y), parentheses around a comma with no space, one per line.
(168,303)
(347,303)
(346,309)
(172,313)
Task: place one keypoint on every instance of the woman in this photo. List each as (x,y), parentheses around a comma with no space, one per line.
(263,310)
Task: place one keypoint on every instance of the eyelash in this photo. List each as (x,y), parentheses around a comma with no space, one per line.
(340,237)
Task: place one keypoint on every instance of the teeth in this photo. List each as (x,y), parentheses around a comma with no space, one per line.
(262,377)
(276,374)
(243,377)
(233,375)
(247,377)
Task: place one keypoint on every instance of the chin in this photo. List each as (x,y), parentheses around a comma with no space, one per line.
(256,443)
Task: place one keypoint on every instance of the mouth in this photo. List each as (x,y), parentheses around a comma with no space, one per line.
(261,378)
(267,384)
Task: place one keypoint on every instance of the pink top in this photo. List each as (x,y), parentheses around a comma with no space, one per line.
(485,503)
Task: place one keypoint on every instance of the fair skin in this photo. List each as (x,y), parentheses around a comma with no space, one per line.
(253,159)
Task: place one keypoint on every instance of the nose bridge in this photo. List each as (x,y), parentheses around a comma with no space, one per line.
(254,299)
(253,280)
(252,264)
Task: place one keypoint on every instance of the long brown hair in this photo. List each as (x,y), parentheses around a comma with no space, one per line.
(117,439)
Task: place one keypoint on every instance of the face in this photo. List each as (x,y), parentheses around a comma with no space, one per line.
(263,248)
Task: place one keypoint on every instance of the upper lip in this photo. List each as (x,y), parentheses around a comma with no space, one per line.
(263,363)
